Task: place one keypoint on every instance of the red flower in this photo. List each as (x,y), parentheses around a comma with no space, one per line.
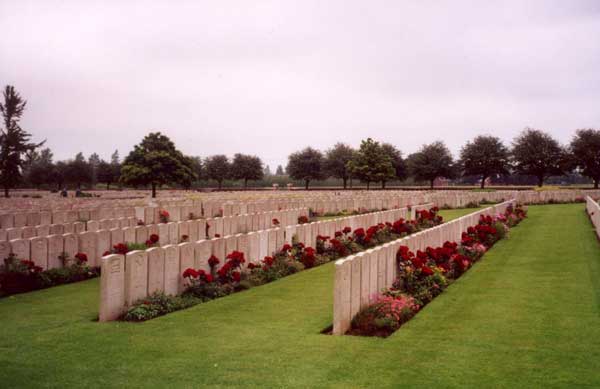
(426,270)
(81,257)
(236,276)
(213,261)
(347,230)
(268,261)
(286,247)
(275,222)
(236,258)
(302,220)
(217,235)
(106,253)
(338,234)
(190,273)
(121,248)
(153,238)
(359,232)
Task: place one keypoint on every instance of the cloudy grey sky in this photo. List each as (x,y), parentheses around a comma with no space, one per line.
(270,77)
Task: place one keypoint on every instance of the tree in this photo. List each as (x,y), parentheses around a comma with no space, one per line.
(217,168)
(306,165)
(78,171)
(371,164)
(485,156)
(14,141)
(60,174)
(585,153)
(198,167)
(279,171)
(156,162)
(106,173)
(246,167)
(336,161)
(536,153)
(115,165)
(397,162)
(267,171)
(430,162)
(94,161)
(41,170)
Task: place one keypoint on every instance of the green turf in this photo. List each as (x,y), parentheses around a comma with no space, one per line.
(527,316)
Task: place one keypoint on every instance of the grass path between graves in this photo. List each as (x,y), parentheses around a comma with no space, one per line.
(527,316)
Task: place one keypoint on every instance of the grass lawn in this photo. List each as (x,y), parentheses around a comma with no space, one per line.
(528,316)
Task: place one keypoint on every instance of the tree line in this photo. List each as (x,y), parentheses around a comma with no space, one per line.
(532,153)
(156,162)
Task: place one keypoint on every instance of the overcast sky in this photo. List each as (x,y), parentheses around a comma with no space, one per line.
(271,77)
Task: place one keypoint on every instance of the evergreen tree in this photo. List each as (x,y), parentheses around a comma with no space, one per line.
(14,141)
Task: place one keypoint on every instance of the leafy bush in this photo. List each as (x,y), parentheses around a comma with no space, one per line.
(385,316)
(20,276)
(158,304)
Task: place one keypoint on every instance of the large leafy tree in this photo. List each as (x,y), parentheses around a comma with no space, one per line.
(78,171)
(218,168)
(198,167)
(156,162)
(537,154)
(41,170)
(246,167)
(336,161)
(14,141)
(306,165)
(484,157)
(430,162)
(60,174)
(94,162)
(397,162)
(279,171)
(109,172)
(585,153)
(371,163)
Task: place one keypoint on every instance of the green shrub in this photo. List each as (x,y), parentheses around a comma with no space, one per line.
(158,304)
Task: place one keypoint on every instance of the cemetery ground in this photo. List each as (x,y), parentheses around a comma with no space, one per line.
(527,315)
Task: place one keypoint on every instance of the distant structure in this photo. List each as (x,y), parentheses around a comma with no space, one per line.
(441,181)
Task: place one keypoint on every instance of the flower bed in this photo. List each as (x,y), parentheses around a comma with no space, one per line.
(424,275)
(125,247)
(23,275)
(232,277)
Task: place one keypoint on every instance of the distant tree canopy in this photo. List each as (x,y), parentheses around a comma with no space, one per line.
(430,162)
(484,157)
(585,153)
(156,162)
(14,141)
(306,165)
(533,156)
(41,170)
(78,171)
(217,168)
(371,163)
(397,162)
(246,167)
(537,154)
(336,162)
